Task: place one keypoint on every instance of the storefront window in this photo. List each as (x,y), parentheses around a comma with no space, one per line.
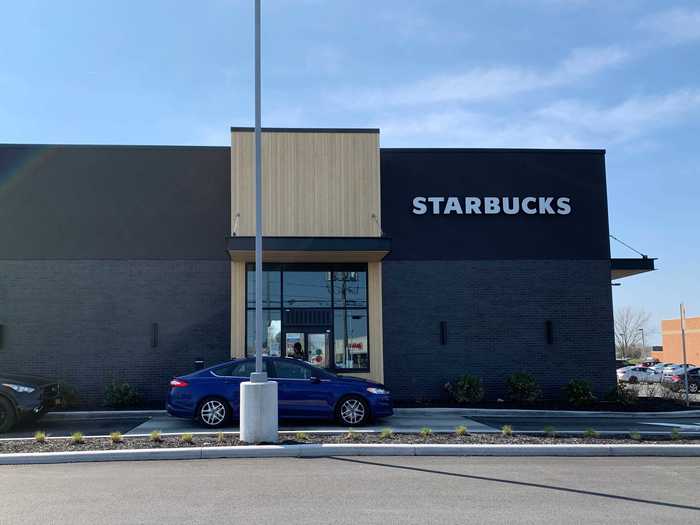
(307,289)
(272,333)
(350,333)
(350,289)
(271,286)
(325,321)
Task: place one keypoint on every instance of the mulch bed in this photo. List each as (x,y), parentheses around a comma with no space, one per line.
(65,445)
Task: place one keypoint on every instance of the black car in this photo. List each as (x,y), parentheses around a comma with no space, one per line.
(677,382)
(25,397)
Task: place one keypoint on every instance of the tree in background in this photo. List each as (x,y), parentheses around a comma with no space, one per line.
(630,324)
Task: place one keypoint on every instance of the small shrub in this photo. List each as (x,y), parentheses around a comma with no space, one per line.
(220,438)
(578,393)
(506,430)
(121,395)
(522,388)
(636,436)
(590,433)
(116,437)
(155,436)
(461,430)
(76,438)
(426,432)
(622,394)
(301,436)
(187,437)
(466,389)
(386,434)
(69,396)
(675,434)
(40,437)
(550,431)
(352,435)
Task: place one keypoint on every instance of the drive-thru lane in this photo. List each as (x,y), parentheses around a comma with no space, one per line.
(404,420)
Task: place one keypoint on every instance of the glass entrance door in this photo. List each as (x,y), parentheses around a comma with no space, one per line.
(310,345)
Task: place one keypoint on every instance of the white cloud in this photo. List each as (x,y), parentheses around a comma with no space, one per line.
(677,25)
(488,83)
(563,124)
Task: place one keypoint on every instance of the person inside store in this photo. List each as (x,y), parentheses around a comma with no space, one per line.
(298,351)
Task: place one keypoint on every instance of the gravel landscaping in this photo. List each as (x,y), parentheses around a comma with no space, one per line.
(214,440)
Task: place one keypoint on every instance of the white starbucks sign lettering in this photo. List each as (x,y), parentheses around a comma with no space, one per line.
(491,205)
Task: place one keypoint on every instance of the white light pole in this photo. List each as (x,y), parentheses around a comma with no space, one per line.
(258,406)
(685,358)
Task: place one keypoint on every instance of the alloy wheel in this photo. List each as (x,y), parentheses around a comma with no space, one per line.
(212,413)
(693,387)
(352,411)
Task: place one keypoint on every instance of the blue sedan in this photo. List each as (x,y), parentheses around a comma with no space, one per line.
(211,396)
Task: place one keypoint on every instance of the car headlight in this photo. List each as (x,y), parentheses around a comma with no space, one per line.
(375,390)
(20,388)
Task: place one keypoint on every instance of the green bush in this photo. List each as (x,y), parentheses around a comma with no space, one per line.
(466,389)
(636,436)
(675,434)
(426,432)
(550,431)
(507,430)
(522,388)
(69,396)
(578,393)
(77,438)
(590,433)
(187,437)
(622,394)
(116,437)
(40,437)
(301,436)
(386,433)
(461,430)
(155,436)
(121,395)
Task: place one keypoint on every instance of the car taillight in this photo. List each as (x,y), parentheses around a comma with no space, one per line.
(675,378)
(179,383)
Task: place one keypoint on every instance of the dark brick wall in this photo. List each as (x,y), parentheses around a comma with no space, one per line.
(495,313)
(87,322)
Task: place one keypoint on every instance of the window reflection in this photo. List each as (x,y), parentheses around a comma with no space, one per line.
(271,286)
(350,289)
(272,333)
(350,329)
(307,289)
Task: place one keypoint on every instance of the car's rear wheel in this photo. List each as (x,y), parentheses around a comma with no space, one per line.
(8,418)
(214,412)
(352,411)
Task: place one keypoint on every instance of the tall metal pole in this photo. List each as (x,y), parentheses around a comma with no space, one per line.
(685,359)
(258,200)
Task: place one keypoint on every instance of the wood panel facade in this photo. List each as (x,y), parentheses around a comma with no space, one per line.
(316,183)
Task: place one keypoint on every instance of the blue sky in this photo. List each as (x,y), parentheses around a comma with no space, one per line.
(623,75)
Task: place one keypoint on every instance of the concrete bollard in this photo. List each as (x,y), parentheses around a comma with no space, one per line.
(258,414)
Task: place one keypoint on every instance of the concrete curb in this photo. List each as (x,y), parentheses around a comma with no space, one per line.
(317,451)
(475,412)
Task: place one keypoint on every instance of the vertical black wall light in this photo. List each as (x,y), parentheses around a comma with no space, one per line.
(443,332)
(549,333)
(154,335)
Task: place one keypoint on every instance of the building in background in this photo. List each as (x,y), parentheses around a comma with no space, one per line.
(407,266)
(672,349)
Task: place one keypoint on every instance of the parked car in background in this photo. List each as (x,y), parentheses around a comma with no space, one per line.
(639,374)
(649,362)
(621,363)
(660,366)
(211,396)
(24,397)
(673,370)
(677,381)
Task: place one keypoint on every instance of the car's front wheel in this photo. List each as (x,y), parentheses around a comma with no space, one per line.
(693,388)
(8,418)
(634,380)
(214,412)
(352,411)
